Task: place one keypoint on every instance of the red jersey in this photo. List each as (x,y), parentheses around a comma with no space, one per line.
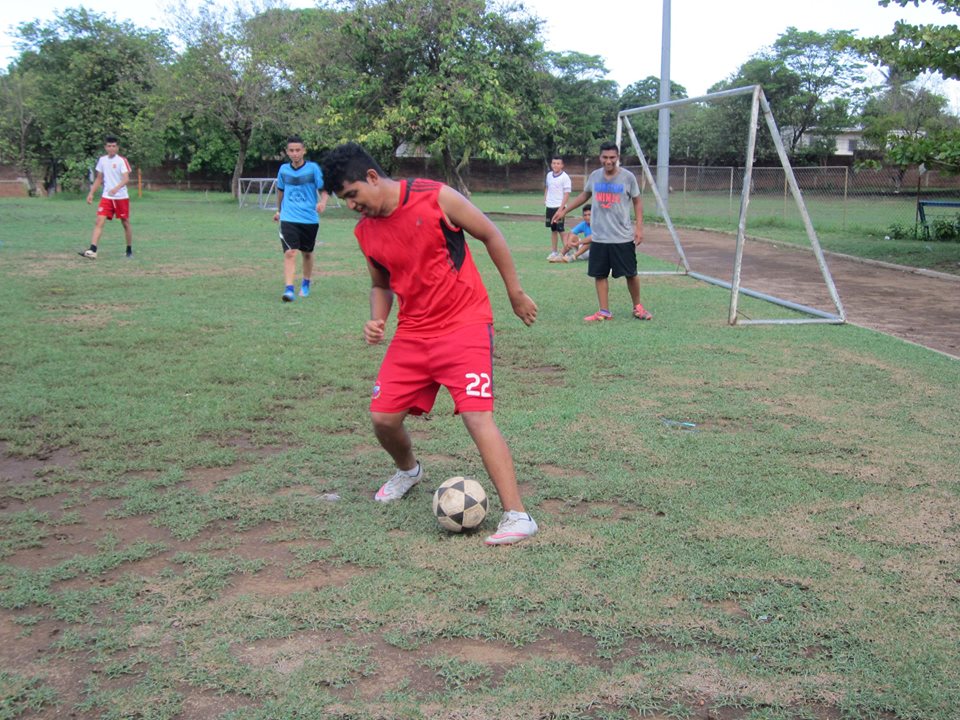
(431,270)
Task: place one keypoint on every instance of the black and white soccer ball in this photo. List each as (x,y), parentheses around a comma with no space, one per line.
(460,504)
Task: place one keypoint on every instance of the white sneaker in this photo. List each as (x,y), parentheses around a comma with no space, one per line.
(89,254)
(398,486)
(514,526)
(553,257)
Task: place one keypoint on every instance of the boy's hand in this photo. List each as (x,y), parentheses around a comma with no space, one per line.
(373,331)
(524,307)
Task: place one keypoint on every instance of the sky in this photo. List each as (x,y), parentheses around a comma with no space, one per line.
(709,39)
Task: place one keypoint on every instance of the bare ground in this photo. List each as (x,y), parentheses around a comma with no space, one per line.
(919,306)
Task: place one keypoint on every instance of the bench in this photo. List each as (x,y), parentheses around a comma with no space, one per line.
(922,205)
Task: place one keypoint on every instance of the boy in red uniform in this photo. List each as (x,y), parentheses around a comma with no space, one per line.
(412,235)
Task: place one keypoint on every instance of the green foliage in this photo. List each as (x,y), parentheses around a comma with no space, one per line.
(579,106)
(454,78)
(647,92)
(917,48)
(812,82)
(94,76)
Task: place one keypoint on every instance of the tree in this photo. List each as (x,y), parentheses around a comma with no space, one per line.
(646,125)
(813,81)
(19,131)
(909,125)
(580,105)
(226,77)
(453,78)
(911,50)
(93,76)
(917,48)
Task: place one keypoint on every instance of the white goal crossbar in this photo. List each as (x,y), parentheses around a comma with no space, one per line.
(759,102)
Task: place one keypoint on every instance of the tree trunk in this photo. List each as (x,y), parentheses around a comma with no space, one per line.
(238,168)
(451,171)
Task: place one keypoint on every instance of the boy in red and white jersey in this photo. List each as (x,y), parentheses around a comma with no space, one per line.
(113,173)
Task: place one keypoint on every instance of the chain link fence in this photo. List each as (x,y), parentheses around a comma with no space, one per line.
(840,200)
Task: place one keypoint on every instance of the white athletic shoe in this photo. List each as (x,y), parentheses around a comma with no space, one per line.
(92,254)
(553,257)
(398,486)
(514,526)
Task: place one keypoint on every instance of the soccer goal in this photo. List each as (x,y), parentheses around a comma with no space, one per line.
(759,103)
(265,189)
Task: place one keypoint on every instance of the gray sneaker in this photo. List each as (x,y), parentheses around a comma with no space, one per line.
(398,486)
(514,526)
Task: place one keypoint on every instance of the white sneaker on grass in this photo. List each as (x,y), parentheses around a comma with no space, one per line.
(398,486)
(514,526)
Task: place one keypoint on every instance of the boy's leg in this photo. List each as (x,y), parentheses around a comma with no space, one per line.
(496,457)
(97,230)
(289,266)
(603,292)
(394,438)
(633,285)
(307,265)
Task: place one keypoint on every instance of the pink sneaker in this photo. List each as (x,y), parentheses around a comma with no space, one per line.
(599,315)
(640,314)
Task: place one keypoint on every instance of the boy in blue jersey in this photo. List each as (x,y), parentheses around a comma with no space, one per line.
(575,247)
(300,200)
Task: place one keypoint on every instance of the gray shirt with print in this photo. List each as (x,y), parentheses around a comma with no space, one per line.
(612,202)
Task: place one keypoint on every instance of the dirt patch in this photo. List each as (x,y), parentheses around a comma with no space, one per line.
(918,306)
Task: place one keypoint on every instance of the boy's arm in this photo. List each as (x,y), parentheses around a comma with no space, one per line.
(464,214)
(381,300)
(567,207)
(276,215)
(638,228)
(123,181)
(322,202)
(97,182)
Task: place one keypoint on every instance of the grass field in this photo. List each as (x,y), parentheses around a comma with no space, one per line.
(188,528)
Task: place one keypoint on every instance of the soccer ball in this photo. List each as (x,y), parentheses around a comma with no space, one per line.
(460,504)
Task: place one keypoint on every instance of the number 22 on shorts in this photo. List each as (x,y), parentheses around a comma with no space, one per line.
(479,385)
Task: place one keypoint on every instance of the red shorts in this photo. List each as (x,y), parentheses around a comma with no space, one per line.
(114,208)
(414,369)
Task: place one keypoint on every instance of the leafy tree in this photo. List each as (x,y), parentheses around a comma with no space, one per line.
(911,50)
(19,131)
(646,125)
(580,105)
(909,125)
(917,48)
(813,82)
(226,79)
(93,75)
(455,78)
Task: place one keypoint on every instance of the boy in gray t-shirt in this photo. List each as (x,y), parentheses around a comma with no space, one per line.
(615,237)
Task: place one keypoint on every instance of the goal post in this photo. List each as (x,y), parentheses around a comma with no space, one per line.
(759,103)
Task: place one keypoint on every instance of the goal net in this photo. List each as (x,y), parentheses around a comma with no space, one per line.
(730,111)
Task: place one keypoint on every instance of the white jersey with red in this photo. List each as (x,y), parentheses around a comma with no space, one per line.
(113,169)
(430,266)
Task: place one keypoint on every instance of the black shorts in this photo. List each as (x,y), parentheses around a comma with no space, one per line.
(620,258)
(555,227)
(298,236)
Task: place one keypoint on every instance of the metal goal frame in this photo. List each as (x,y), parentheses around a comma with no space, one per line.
(759,103)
